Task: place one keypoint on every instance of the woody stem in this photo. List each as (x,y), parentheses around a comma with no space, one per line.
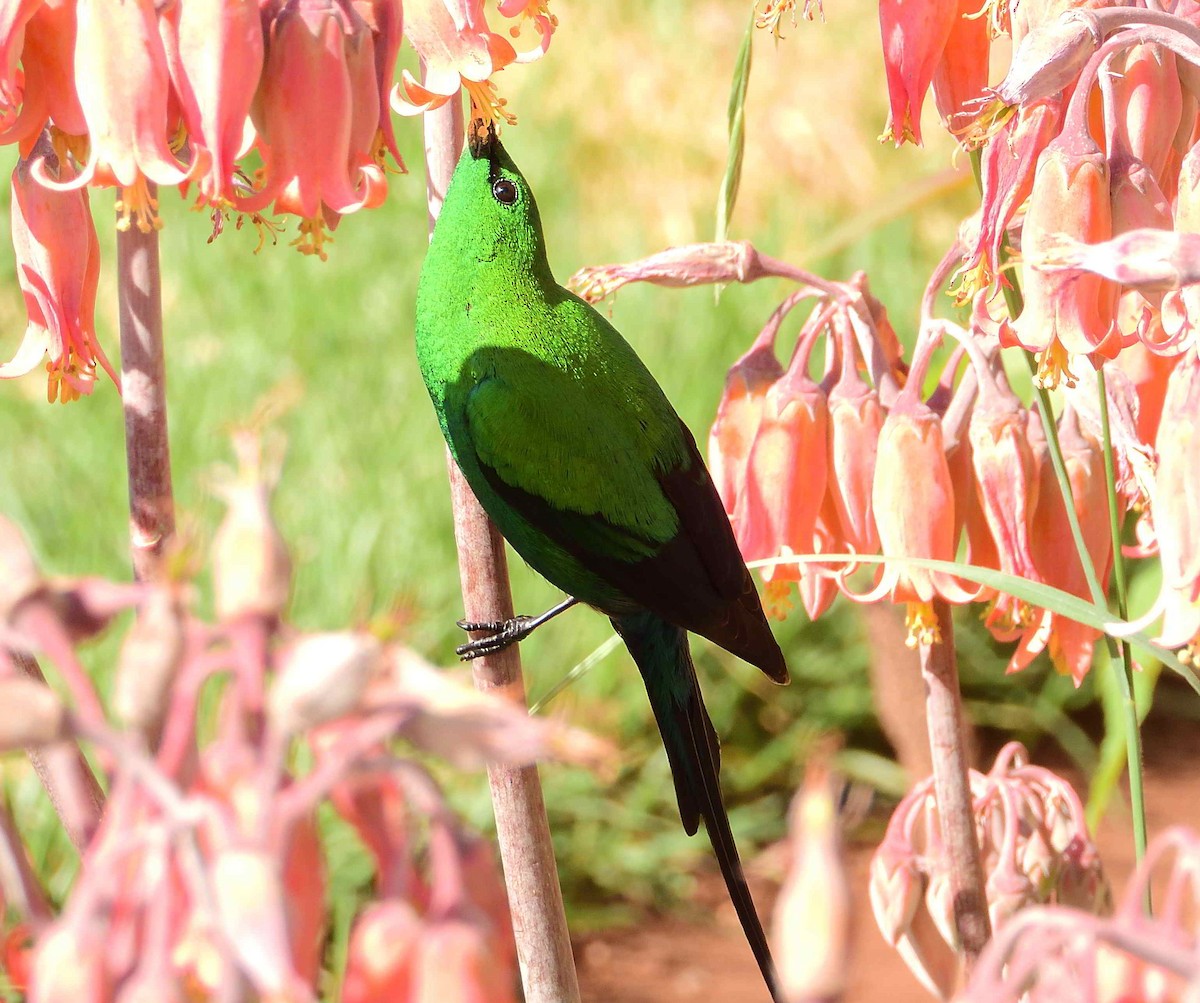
(522,830)
(144,397)
(956,817)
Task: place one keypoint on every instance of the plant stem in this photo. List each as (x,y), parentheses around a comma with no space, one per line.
(1123,670)
(72,787)
(522,830)
(956,816)
(144,398)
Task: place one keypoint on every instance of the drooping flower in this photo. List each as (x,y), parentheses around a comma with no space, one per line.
(1065,316)
(913,501)
(58,268)
(317,112)
(48,62)
(382,953)
(1007,170)
(914,38)
(1068,642)
(215,56)
(458,49)
(855,419)
(385,18)
(14,14)
(1007,485)
(1176,505)
(120,54)
(1148,100)
(962,72)
(784,485)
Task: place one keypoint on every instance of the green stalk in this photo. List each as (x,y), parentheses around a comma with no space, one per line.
(1123,671)
(1123,668)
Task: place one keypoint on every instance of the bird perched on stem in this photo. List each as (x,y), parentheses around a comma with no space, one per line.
(574,451)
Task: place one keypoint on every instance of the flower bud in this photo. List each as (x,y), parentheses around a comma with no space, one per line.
(148,663)
(323,677)
(382,953)
(252,572)
(1049,58)
(812,924)
(32,715)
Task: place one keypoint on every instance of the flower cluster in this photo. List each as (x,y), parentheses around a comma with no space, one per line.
(207,869)
(1034,846)
(1056,953)
(1090,172)
(249,107)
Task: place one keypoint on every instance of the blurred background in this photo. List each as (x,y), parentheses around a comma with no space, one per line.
(622,134)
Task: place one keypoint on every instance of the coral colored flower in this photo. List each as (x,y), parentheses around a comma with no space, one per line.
(855,420)
(16,950)
(456,961)
(382,953)
(1068,642)
(1148,100)
(58,267)
(48,62)
(14,14)
(1007,485)
(1181,307)
(962,73)
(738,417)
(317,112)
(785,477)
(459,49)
(914,38)
(215,56)
(1007,170)
(385,18)
(1066,315)
(1176,505)
(119,53)
(913,501)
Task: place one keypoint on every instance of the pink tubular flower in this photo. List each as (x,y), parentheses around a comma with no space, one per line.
(784,485)
(1068,642)
(914,38)
(1176,505)
(317,111)
(962,73)
(1007,486)
(119,53)
(385,18)
(913,501)
(14,14)
(459,49)
(58,267)
(48,61)
(1066,315)
(215,55)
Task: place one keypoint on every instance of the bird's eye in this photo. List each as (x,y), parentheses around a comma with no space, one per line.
(504,191)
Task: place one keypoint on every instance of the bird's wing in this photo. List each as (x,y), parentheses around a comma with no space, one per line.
(630,500)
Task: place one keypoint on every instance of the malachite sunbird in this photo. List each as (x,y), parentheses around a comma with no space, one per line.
(574,451)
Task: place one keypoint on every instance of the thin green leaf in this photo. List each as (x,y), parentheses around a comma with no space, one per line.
(737,133)
(1034,593)
(597,655)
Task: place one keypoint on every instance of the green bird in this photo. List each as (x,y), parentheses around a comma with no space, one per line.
(574,451)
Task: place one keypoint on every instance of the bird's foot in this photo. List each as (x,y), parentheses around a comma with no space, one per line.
(501,633)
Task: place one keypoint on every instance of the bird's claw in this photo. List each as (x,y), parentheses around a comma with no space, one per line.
(501,634)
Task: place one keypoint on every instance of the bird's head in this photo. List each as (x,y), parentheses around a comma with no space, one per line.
(490,208)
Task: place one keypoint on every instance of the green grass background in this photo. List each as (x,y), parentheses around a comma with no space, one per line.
(622,135)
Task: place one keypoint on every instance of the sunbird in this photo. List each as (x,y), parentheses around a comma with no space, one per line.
(574,451)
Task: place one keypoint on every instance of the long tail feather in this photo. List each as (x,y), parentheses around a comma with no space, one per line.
(664,659)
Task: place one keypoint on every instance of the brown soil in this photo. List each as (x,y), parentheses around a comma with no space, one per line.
(673,961)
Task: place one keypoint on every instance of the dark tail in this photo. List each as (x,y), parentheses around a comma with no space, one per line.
(661,652)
